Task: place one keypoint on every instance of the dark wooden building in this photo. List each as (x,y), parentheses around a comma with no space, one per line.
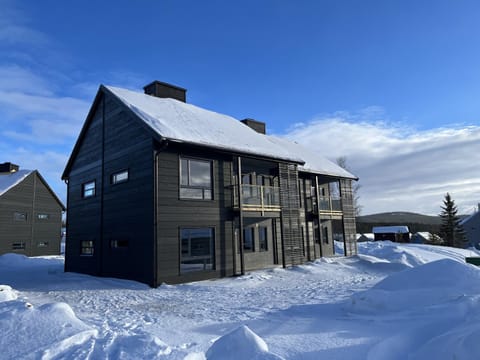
(164,191)
(399,234)
(30,213)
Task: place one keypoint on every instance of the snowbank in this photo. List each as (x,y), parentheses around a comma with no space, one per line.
(50,330)
(392,301)
(240,344)
(7,293)
(431,284)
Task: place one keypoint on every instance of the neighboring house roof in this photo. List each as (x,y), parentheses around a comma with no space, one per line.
(313,162)
(390,229)
(10,180)
(180,122)
(469,218)
(365,237)
(423,234)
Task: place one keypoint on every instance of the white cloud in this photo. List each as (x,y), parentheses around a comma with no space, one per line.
(400,168)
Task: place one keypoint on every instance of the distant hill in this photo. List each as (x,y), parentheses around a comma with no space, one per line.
(400,216)
(416,222)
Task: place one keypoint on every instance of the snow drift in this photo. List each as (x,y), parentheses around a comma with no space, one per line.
(392,301)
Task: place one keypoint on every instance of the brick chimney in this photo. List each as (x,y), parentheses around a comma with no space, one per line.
(164,90)
(8,167)
(256,125)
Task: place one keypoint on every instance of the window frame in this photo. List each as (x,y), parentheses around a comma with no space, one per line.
(43,216)
(264,230)
(207,192)
(84,246)
(121,243)
(19,245)
(182,263)
(20,216)
(115,181)
(251,230)
(86,192)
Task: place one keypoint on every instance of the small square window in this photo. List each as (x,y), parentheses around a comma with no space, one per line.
(19,216)
(119,177)
(18,246)
(116,244)
(88,189)
(86,247)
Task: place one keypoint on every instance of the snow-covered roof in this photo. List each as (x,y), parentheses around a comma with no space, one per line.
(177,121)
(469,218)
(313,162)
(367,235)
(390,229)
(10,180)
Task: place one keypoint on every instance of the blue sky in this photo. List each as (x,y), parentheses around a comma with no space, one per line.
(391,85)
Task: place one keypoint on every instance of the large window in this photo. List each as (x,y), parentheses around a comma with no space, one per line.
(195,179)
(197,249)
(88,189)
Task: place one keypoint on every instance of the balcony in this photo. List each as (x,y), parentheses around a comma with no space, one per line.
(326,205)
(258,198)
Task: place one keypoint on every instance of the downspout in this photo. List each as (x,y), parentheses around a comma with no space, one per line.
(32,226)
(155,194)
(156,153)
(240,204)
(102,187)
(66,226)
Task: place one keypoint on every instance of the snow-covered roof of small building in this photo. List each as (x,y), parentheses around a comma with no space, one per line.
(10,180)
(180,122)
(313,162)
(390,229)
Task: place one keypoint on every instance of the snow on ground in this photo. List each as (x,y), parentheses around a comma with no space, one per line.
(392,301)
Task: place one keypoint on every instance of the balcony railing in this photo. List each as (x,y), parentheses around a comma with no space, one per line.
(261,198)
(327,204)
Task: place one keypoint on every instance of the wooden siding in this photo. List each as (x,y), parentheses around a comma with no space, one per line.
(350,242)
(39,236)
(293,250)
(260,259)
(174,213)
(114,140)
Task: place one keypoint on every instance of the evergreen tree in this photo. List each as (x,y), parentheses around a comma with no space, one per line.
(451,230)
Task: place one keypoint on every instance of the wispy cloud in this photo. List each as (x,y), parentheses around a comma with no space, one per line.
(43,106)
(400,168)
(14,29)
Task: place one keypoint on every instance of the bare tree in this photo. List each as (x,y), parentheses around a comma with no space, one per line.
(342,162)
